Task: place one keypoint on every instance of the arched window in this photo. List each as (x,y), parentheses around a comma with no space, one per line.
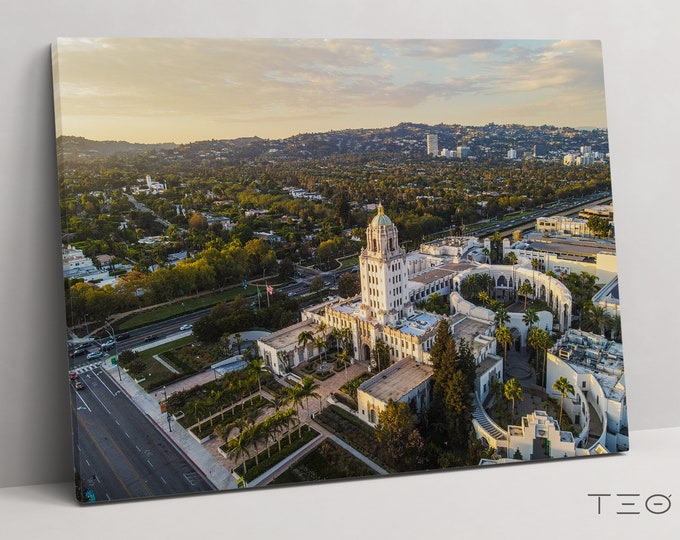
(391,245)
(502,282)
(375,245)
(372,417)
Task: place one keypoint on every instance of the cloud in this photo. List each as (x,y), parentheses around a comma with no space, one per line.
(232,81)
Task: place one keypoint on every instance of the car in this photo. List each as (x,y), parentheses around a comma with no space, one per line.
(126,335)
(186,327)
(96,354)
(78,352)
(110,344)
(72,375)
(80,385)
(150,337)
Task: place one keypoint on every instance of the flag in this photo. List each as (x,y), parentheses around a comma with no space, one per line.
(270,290)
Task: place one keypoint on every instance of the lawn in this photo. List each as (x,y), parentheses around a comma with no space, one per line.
(156,374)
(351,430)
(265,463)
(188,305)
(327,462)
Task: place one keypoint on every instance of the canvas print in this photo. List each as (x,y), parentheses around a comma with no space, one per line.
(290,261)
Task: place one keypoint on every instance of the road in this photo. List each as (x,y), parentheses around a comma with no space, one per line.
(119,453)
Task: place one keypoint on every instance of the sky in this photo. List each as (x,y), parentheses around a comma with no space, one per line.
(184,90)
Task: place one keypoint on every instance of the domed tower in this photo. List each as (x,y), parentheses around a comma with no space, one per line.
(384,275)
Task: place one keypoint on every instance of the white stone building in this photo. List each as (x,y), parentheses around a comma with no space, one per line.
(594,367)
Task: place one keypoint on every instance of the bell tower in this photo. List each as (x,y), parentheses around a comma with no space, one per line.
(384,275)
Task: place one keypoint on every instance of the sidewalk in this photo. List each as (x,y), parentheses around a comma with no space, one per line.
(213,471)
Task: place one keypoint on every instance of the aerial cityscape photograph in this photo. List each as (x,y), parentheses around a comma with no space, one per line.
(291,261)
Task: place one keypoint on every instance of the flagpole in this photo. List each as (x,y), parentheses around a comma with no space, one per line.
(267,289)
(259,305)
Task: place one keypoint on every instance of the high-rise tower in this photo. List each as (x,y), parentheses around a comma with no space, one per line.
(432,145)
(384,275)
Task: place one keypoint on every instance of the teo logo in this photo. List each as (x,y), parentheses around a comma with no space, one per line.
(632,503)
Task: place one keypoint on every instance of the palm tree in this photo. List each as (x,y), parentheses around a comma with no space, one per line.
(309,389)
(304,338)
(484,298)
(512,258)
(237,448)
(295,397)
(502,317)
(504,337)
(238,340)
(279,401)
(284,359)
(597,319)
(525,290)
(336,334)
(347,339)
(258,367)
(564,387)
(320,344)
(216,396)
(512,391)
(342,358)
(381,354)
(530,317)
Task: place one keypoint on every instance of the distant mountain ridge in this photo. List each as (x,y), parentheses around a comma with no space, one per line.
(70,146)
(401,139)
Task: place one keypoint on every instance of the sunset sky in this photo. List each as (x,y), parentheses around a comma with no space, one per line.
(183,90)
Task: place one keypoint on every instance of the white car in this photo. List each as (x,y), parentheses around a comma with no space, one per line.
(186,327)
(96,354)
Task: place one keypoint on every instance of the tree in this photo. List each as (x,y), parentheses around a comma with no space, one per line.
(564,387)
(238,448)
(512,391)
(316,284)
(238,341)
(525,290)
(504,337)
(295,396)
(258,367)
(530,317)
(597,318)
(304,338)
(401,445)
(599,226)
(349,285)
(320,344)
(502,317)
(309,389)
(381,354)
(342,358)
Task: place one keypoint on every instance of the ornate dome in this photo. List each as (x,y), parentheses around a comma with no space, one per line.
(381,218)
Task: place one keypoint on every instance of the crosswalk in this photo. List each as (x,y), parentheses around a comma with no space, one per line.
(87,367)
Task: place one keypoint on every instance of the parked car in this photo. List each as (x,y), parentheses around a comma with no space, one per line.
(186,327)
(80,385)
(96,354)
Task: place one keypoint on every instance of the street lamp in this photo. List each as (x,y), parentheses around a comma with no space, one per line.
(167,413)
(115,348)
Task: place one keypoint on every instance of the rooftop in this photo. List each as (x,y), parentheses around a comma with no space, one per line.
(287,337)
(419,323)
(591,353)
(397,380)
(468,328)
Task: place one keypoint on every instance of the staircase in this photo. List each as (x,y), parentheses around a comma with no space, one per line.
(488,425)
